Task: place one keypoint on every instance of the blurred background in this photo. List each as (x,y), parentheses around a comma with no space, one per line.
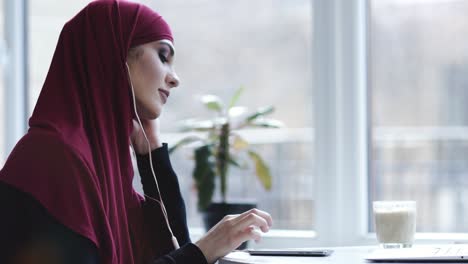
(416,55)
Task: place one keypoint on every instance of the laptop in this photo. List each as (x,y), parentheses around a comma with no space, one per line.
(441,253)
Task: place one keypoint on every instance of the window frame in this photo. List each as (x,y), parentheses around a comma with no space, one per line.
(15,73)
(341,120)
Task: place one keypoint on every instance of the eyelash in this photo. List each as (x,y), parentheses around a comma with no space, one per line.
(163,58)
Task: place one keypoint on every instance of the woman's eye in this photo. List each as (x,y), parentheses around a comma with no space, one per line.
(162,58)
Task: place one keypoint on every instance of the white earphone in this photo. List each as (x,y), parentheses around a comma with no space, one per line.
(160,201)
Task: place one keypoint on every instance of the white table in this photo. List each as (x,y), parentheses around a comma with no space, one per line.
(341,255)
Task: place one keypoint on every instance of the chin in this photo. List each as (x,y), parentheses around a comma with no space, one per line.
(150,116)
(150,112)
(153,113)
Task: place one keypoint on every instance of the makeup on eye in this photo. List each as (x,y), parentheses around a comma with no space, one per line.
(162,57)
(166,45)
(164,54)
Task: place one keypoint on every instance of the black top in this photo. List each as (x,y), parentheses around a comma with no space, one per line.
(28,231)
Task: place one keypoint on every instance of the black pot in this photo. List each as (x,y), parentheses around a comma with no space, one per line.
(216,211)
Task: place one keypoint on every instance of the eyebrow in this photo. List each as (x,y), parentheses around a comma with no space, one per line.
(171,49)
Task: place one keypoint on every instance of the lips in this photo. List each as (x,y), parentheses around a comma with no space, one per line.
(164,94)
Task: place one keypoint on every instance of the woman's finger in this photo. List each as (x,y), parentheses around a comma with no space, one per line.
(229,217)
(250,233)
(258,212)
(251,219)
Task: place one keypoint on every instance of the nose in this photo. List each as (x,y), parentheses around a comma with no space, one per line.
(172,79)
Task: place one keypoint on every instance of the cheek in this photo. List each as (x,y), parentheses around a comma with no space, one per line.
(152,71)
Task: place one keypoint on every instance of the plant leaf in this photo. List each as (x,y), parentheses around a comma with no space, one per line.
(236,96)
(238,161)
(239,143)
(184,141)
(212,102)
(196,125)
(260,112)
(234,162)
(204,176)
(220,121)
(263,172)
(237,111)
(269,123)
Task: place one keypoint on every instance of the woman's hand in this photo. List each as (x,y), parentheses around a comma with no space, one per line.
(152,132)
(232,231)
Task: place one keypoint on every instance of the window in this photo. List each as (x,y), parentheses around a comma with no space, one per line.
(2,86)
(415,78)
(45,21)
(263,45)
(419,76)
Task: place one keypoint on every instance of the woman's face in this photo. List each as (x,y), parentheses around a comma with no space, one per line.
(152,76)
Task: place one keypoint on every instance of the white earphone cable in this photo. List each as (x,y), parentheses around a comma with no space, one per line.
(161,203)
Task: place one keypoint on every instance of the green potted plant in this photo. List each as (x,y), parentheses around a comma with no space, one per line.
(220,147)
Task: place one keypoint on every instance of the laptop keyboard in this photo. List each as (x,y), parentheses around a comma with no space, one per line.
(450,251)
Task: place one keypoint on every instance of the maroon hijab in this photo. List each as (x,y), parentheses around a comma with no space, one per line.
(75,158)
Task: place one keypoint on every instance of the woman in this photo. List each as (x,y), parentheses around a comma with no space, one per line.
(66,191)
